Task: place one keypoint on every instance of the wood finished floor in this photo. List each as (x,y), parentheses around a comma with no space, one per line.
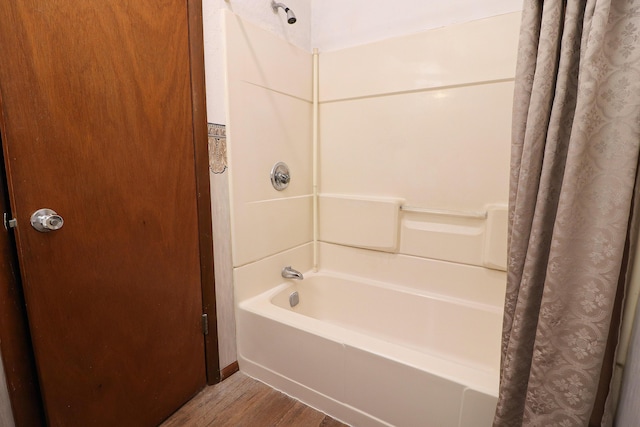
(243,401)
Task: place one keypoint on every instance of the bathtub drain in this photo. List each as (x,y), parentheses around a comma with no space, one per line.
(294,299)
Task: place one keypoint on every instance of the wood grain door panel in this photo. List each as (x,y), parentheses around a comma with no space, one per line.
(97,112)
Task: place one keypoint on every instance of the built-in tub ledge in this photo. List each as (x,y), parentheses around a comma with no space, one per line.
(360,221)
(467,237)
(445,212)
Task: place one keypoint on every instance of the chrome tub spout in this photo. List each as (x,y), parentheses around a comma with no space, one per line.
(290,273)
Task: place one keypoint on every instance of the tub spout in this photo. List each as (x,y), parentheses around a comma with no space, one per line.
(290,273)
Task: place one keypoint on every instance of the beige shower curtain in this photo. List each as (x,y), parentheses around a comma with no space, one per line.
(576,133)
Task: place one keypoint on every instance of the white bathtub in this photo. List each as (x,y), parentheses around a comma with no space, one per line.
(374,354)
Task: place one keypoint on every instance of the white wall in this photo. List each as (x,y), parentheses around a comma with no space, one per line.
(429,124)
(299,34)
(337,24)
(269,121)
(259,13)
(333,24)
(268,88)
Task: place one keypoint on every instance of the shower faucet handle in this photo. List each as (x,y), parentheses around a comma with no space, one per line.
(283,177)
(280,176)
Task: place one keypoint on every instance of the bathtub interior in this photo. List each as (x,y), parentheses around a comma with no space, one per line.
(422,321)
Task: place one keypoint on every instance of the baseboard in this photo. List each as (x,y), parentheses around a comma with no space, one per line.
(229,370)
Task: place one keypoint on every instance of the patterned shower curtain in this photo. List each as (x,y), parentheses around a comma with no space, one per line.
(576,135)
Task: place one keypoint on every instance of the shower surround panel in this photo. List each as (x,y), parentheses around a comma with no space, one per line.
(419,128)
(269,121)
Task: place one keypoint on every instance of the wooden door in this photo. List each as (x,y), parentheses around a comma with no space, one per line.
(97,124)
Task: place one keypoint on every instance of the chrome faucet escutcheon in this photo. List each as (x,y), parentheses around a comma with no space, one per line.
(290,273)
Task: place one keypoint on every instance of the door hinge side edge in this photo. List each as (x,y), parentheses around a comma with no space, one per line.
(205,324)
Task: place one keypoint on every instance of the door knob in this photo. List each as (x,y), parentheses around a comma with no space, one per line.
(45,220)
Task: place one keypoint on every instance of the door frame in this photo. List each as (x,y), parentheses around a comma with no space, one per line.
(15,339)
(203,187)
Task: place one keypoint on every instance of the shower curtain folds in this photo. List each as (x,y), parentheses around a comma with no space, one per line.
(575,142)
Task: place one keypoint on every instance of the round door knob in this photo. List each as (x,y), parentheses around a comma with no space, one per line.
(45,220)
